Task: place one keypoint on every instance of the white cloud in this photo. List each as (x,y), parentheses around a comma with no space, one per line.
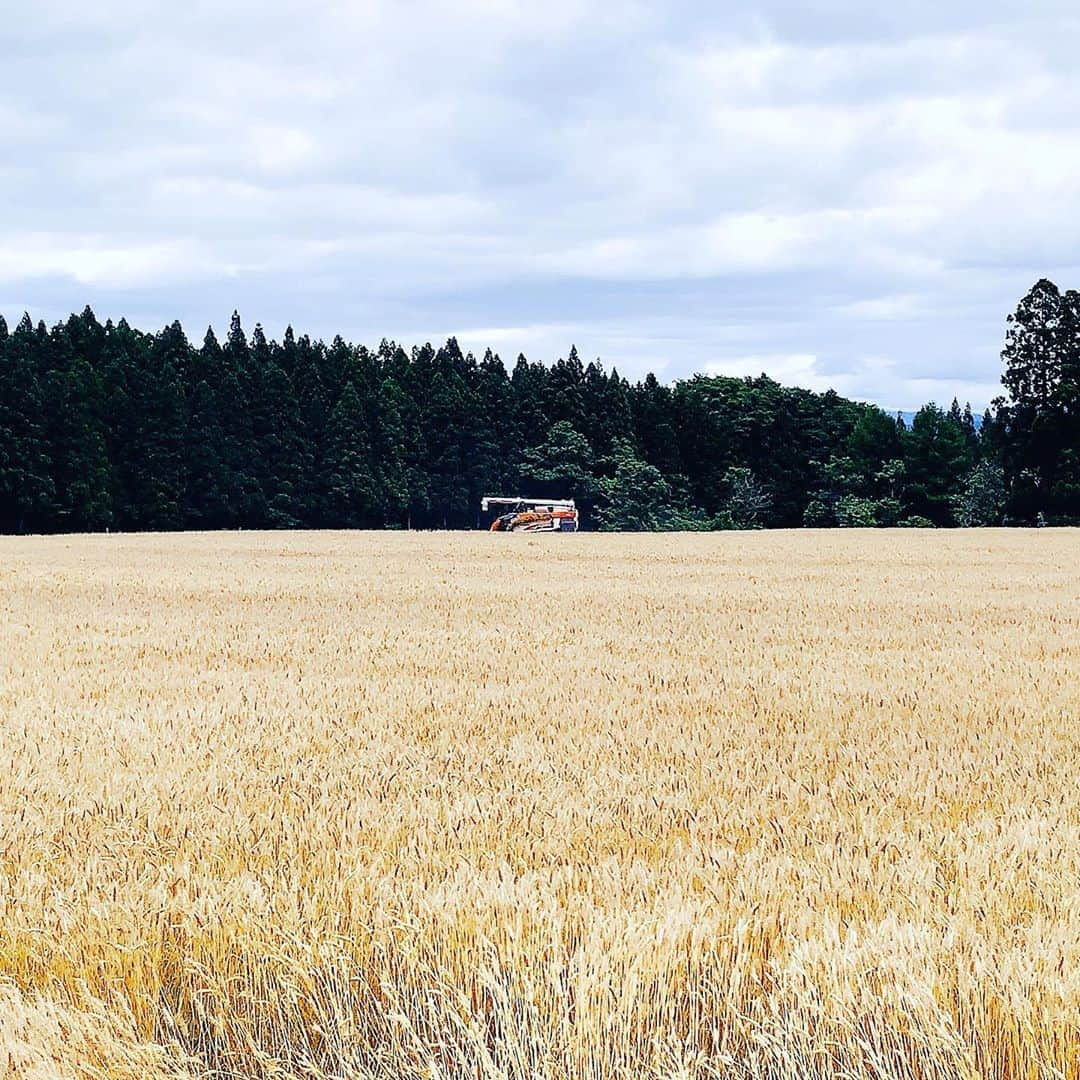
(96,260)
(884,308)
(875,378)
(669,185)
(796,369)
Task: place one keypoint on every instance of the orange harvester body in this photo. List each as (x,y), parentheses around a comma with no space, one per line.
(533,515)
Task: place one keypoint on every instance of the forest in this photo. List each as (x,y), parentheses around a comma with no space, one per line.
(103,426)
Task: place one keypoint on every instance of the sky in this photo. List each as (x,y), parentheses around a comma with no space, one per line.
(836,193)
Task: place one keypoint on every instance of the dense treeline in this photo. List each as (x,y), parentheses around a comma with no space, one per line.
(102,426)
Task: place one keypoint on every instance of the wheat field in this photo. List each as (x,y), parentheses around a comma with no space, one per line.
(767,805)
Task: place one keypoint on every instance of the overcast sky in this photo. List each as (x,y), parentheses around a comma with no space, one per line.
(837,193)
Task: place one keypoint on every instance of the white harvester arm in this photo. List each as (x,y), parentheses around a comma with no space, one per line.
(516,500)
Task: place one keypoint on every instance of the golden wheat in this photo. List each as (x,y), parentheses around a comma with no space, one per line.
(355,805)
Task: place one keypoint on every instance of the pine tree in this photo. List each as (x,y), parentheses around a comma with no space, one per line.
(351,496)
(206,501)
(1038,338)
(313,410)
(237,393)
(394,482)
(528,386)
(874,440)
(447,481)
(158,406)
(937,457)
(75,427)
(82,469)
(564,392)
(26,486)
(277,464)
(1033,348)
(496,435)
(618,414)
(653,419)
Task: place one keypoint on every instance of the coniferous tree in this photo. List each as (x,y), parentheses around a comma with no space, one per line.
(445,416)
(26,485)
(158,407)
(653,420)
(351,496)
(492,442)
(276,435)
(937,458)
(103,426)
(874,440)
(564,392)
(71,391)
(120,359)
(207,498)
(313,411)
(237,393)
(395,481)
(528,387)
(1038,339)
(81,468)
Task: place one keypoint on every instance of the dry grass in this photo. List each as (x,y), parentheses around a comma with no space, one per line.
(348,805)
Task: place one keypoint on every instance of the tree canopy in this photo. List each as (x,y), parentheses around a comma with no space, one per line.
(104,426)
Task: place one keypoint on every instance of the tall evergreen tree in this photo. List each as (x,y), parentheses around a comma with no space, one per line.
(156,389)
(444,419)
(938,457)
(104,426)
(528,384)
(237,392)
(26,485)
(207,455)
(564,392)
(74,414)
(1039,338)
(277,465)
(351,494)
(654,422)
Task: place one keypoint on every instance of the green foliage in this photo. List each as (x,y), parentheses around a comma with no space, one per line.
(937,456)
(856,512)
(748,501)
(981,500)
(350,497)
(102,426)
(635,497)
(26,483)
(563,462)
(875,440)
(860,493)
(778,432)
(1038,425)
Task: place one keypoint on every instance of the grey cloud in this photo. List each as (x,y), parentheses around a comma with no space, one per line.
(846,191)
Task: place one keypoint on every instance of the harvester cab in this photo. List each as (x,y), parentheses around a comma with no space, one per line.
(531,515)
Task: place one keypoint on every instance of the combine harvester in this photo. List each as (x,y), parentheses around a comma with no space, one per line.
(532,515)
